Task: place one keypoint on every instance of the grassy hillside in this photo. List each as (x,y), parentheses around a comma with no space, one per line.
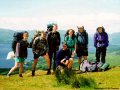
(108,79)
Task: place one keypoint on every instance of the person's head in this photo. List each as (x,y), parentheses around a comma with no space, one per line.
(100,29)
(80,29)
(43,35)
(25,35)
(55,27)
(71,32)
(64,45)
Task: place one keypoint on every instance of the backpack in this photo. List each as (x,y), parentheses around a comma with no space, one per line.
(17,36)
(38,33)
(69,43)
(49,27)
(82,40)
(88,66)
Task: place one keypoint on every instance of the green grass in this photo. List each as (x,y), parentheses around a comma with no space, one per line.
(108,80)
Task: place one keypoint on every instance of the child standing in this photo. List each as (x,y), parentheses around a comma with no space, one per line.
(20,54)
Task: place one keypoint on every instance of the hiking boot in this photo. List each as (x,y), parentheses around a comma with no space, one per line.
(79,67)
(20,75)
(48,72)
(33,72)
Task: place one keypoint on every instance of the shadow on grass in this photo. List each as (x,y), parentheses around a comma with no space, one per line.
(68,77)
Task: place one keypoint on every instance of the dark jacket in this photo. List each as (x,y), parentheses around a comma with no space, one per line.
(82,38)
(21,49)
(53,39)
(40,46)
(101,39)
(62,54)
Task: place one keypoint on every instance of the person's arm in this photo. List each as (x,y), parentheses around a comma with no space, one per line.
(95,40)
(48,38)
(59,38)
(65,62)
(35,42)
(106,40)
(17,49)
(47,47)
(86,39)
(75,46)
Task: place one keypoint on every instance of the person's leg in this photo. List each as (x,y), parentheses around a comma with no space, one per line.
(79,61)
(103,54)
(98,51)
(85,57)
(70,63)
(46,56)
(13,68)
(21,69)
(34,66)
(54,63)
(50,56)
(85,53)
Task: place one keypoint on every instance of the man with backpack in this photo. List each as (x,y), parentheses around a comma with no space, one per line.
(82,46)
(101,43)
(54,43)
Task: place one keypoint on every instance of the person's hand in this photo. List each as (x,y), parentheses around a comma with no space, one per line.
(74,52)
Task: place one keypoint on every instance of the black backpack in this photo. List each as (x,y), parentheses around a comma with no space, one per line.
(49,27)
(85,39)
(17,36)
(38,33)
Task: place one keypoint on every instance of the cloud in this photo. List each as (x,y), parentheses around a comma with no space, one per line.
(91,21)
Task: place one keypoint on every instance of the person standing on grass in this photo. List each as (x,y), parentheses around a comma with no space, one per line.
(20,54)
(54,43)
(40,48)
(101,43)
(82,45)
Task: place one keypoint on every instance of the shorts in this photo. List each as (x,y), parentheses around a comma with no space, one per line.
(20,60)
(38,55)
(82,51)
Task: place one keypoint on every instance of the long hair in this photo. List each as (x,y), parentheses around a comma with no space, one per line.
(103,29)
(67,33)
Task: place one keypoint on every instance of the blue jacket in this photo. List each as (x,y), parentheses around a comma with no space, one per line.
(62,54)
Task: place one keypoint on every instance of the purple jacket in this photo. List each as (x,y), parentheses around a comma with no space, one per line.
(101,39)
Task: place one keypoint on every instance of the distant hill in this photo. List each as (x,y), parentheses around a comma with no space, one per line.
(114,38)
(6,36)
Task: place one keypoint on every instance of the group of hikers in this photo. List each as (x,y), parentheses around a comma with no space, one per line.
(46,44)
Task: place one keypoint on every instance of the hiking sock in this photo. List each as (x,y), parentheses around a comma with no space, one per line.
(33,72)
(8,75)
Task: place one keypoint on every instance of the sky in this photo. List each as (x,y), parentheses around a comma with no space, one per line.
(36,14)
